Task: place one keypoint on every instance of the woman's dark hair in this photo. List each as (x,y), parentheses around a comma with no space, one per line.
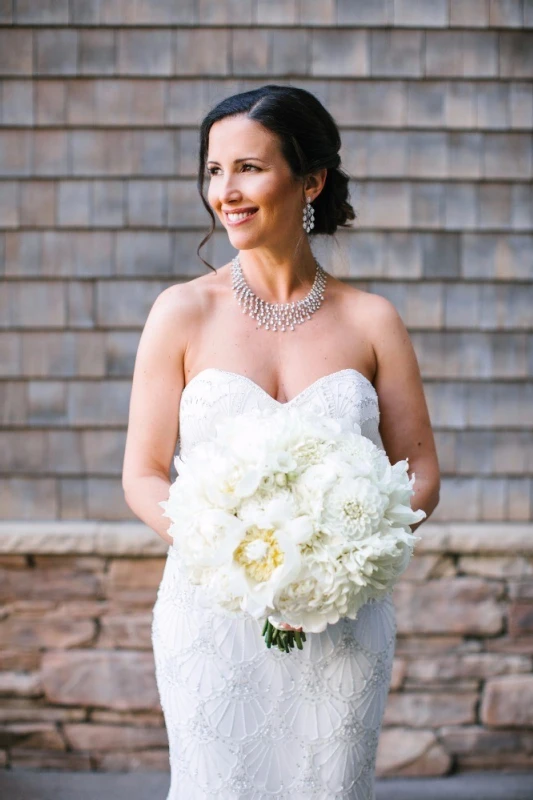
(309,139)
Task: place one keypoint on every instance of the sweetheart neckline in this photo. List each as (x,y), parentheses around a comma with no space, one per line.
(296,396)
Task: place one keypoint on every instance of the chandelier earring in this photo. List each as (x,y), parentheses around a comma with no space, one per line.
(308,217)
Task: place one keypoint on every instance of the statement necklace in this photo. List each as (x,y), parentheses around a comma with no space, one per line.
(277,316)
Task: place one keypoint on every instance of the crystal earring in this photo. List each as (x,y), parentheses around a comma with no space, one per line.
(308,217)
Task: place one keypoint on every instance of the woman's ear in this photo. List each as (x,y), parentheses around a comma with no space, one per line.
(315,183)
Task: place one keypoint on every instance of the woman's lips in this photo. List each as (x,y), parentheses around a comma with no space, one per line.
(234,223)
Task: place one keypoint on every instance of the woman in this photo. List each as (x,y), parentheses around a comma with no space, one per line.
(244,721)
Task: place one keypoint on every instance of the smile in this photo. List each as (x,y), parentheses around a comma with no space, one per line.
(240,218)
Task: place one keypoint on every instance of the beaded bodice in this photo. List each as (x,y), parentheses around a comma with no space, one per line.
(213,393)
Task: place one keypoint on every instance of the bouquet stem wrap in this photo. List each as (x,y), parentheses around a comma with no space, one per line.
(293,518)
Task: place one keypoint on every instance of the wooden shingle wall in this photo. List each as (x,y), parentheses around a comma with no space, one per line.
(99,107)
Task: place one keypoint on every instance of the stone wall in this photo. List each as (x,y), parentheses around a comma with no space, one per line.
(77,675)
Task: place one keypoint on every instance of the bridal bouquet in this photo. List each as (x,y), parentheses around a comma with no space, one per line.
(293,518)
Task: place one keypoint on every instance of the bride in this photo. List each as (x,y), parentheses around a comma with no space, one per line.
(244,721)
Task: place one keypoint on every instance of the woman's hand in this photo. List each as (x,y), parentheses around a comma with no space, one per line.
(287,627)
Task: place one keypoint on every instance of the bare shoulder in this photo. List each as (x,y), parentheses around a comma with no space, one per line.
(375,314)
(182,306)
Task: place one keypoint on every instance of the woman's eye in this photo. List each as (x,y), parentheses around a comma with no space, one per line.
(213,170)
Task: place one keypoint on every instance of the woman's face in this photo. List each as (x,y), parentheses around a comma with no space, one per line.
(251,188)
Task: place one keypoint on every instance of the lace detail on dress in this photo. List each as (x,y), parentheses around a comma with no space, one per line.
(245,722)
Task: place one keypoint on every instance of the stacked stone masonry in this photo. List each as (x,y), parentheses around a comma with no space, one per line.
(77,678)
(100,104)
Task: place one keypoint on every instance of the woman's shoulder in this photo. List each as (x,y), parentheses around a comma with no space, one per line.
(374,310)
(188,301)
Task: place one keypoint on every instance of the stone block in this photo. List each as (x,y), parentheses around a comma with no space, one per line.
(360,12)
(143,253)
(407,752)
(6,11)
(16,52)
(17,684)
(107,204)
(507,701)
(516,54)
(426,103)
(32,736)
(74,203)
(461,54)
(37,204)
(114,680)
(56,51)
(97,52)
(57,581)
(144,52)
(138,761)
(126,631)
(463,605)
(17,102)
(250,51)
(57,761)
(202,52)
(464,154)
(476,739)
(455,667)
(37,632)
(474,14)
(108,738)
(422,709)
(50,152)
(337,52)
(15,153)
(396,53)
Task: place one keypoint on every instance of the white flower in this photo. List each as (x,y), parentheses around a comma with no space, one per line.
(353,509)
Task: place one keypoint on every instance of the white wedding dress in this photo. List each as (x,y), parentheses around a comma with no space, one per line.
(247,722)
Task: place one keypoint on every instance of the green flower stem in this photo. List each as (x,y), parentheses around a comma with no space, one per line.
(284,639)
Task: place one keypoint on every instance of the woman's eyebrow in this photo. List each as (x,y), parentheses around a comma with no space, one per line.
(238,160)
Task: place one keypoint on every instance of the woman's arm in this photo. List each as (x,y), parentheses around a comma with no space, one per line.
(405,426)
(158,381)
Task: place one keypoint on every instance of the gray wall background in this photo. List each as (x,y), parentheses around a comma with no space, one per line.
(99,109)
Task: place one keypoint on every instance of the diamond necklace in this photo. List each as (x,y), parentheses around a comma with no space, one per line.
(277,316)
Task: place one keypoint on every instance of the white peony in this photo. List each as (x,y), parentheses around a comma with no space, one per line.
(292,517)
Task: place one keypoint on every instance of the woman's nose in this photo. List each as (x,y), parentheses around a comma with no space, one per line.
(229,188)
